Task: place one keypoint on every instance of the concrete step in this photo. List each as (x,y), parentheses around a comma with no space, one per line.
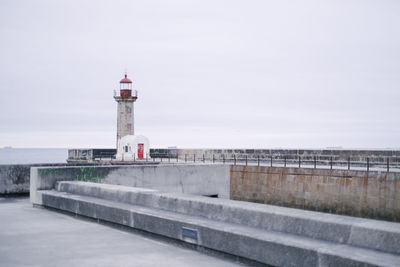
(270,247)
(365,233)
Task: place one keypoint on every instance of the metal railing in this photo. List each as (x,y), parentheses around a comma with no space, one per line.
(388,164)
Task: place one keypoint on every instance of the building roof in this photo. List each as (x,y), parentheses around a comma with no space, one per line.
(126,80)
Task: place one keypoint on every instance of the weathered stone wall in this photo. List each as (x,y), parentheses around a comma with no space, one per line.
(14,178)
(125,118)
(355,193)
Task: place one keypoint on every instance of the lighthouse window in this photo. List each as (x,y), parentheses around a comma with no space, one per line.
(126,148)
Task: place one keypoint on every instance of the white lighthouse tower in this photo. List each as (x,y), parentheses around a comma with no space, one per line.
(129,146)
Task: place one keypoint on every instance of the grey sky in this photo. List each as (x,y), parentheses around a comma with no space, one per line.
(257,74)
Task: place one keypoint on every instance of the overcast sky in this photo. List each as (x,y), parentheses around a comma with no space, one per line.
(210,73)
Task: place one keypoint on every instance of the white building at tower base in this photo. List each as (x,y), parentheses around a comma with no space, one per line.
(133,147)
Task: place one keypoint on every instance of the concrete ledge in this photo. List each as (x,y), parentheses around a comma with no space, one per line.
(383,236)
(268,247)
(378,235)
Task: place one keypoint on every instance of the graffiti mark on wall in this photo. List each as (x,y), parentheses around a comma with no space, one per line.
(87,175)
(49,171)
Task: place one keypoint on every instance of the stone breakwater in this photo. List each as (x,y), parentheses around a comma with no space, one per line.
(356,193)
(373,194)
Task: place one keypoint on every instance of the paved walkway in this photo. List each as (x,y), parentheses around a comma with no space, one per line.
(39,237)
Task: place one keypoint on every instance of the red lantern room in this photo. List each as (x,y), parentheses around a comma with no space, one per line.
(125,87)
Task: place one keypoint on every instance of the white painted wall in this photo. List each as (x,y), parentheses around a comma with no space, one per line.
(127,149)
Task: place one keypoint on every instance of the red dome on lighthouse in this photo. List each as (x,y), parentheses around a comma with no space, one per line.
(125,80)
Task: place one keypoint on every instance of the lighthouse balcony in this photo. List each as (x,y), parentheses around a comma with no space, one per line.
(125,94)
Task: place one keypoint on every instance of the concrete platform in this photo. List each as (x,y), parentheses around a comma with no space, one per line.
(266,234)
(38,237)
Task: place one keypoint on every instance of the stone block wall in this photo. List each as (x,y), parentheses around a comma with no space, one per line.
(355,193)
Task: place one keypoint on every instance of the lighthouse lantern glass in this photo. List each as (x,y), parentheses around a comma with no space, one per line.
(126,86)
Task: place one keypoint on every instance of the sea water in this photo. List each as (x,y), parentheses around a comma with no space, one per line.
(33,155)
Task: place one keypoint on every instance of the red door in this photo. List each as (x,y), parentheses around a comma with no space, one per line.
(140,149)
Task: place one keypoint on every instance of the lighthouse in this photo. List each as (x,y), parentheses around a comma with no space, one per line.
(125,100)
(129,146)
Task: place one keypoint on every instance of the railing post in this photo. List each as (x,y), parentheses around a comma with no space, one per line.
(203,158)
(234,158)
(348,163)
(146,157)
(331,163)
(299,161)
(246,159)
(161,159)
(194,157)
(387,164)
(367,164)
(271,160)
(223,158)
(185,157)
(315,162)
(213,158)
(284,159)
(134,157)
(258,160)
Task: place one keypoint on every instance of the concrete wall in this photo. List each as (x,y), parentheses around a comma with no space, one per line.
(45,178)
(355,193)
(189,179)
(14,178)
